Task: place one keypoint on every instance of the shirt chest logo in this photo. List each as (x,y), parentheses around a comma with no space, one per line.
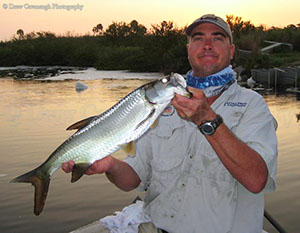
(235,104)
(169,111)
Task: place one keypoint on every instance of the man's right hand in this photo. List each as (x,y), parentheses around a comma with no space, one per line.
(117,171)
(98,167)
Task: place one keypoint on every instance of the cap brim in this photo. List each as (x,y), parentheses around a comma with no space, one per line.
(190,28)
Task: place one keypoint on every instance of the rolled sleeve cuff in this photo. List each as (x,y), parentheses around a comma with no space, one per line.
(140,171)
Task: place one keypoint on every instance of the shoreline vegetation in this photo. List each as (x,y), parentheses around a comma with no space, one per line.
(133,47)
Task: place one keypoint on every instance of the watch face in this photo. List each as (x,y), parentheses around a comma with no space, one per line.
(207,128)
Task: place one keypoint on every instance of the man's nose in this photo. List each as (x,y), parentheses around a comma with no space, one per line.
(207,44)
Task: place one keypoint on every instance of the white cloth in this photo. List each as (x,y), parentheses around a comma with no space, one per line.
(127,220)
(188,188)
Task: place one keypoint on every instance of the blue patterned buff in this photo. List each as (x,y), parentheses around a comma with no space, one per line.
(214,84)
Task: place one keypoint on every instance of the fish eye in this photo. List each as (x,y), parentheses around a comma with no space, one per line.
(165,80)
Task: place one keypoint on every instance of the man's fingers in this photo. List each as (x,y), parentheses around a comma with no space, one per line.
(100,166)
(94,168)
(67,166)
(179,101)
(180,107)
(196,93)
(97,167)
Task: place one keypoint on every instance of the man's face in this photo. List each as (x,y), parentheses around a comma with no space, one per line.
(209,49)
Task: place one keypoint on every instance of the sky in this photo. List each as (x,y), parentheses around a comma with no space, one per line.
(54,16)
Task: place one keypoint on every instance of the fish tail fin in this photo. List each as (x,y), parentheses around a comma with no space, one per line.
(41,184)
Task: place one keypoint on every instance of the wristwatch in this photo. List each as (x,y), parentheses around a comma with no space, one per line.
(210,127)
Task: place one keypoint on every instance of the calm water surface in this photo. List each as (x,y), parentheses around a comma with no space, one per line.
(34,116)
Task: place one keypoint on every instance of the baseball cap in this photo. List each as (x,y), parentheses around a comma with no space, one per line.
(210,18)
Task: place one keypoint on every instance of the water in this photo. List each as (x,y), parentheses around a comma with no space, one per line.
(34,116)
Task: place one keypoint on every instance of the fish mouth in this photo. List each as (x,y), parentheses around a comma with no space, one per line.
(163,90)
(178,79)
(182,88)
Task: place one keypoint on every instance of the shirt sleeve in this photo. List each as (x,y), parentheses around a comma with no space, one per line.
(140,162)
(257,128)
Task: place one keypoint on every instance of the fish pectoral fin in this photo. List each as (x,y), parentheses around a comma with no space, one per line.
(146,118)
(155,123)
(129,148)
(80,124)
(79,169)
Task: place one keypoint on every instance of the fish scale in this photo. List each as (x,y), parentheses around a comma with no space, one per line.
(102,135)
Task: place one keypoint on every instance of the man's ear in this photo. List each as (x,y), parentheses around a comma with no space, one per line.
(187,49)
(232,49)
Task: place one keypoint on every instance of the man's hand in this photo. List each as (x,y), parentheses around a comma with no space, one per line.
(98,167)
(117,171)
(196,109)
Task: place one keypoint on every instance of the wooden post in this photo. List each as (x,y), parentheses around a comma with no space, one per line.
(276,78)
(269,79)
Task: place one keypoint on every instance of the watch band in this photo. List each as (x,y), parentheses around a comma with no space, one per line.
(210,127)
(218,121)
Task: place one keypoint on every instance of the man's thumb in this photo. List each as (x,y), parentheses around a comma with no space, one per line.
(197,93)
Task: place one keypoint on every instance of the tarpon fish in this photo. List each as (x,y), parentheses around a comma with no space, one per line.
(102,135)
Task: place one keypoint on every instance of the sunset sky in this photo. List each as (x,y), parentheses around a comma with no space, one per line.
(14,14)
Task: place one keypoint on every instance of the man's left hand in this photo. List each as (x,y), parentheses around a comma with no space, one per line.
(196,109)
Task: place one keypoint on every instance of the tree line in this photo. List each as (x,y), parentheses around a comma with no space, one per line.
(131,46)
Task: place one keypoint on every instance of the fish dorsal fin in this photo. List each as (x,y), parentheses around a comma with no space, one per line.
(80,124)
(129,148)
(79,170)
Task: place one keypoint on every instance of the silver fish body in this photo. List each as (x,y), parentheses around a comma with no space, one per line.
(102,135)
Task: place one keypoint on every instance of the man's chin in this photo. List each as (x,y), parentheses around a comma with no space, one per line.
(207,69)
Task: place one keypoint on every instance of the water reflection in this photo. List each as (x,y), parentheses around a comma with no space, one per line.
(34,116)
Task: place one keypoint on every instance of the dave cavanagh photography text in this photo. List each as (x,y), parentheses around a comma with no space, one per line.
(46,7)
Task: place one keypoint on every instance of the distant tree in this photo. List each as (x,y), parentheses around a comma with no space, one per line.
(20,33)
(117,30)
(163,29)
(137,29)
(122,29)
(98,29)
(30,35)
(238,26)
(291,26)
(45,34)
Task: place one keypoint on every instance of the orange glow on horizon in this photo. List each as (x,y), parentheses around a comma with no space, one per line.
(81,21)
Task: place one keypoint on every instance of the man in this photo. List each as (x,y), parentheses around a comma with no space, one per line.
(206,165)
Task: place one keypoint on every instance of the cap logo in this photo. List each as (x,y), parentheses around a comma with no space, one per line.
(211,17)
